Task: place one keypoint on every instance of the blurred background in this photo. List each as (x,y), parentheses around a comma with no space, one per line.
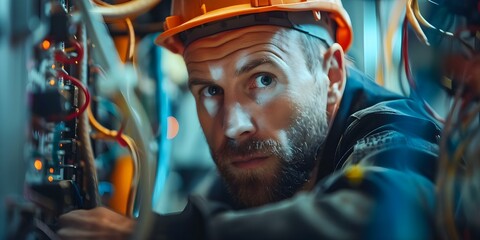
(93,113)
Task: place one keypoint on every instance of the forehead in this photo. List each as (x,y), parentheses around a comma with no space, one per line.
(247,40)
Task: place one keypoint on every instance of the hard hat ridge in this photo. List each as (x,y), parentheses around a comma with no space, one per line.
(190,18)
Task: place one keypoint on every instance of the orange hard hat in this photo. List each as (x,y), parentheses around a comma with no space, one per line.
(190,14)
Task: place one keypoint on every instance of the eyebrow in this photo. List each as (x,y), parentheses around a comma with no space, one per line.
(242,70)
(197,81)
(253,64)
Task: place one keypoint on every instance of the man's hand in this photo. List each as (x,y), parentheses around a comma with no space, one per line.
(97,223)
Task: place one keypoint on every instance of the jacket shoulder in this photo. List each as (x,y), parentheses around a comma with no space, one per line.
(388,130)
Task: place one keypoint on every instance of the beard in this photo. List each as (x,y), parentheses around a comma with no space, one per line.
(292,163)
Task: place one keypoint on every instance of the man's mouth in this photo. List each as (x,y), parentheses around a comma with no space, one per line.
(249,162)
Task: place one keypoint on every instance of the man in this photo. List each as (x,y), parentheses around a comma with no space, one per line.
(306,147)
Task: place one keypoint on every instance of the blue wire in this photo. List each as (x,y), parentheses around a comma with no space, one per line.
(164,145)
(78,195)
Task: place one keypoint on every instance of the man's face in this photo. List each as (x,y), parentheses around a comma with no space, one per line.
(262,111)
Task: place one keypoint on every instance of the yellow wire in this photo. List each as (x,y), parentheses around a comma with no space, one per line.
(423,21)
(449,164)
(412,18)
(396,13)
(445,173)
(132,147)
(108,134)
(131,32)
(112,134)
(131,40)
(450,177)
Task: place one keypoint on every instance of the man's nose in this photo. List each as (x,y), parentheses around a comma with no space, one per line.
(238,123)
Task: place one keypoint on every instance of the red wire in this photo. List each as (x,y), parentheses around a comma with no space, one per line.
(119,138)
(78,84)
(63,58)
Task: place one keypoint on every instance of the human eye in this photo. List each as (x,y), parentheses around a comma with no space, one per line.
(262,80)
(211,91)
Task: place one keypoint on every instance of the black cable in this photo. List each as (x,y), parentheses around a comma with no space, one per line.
(45,229)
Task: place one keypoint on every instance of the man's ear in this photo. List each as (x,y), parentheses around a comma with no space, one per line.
(334,67)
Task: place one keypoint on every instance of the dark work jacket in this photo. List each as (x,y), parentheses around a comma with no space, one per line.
(376,181)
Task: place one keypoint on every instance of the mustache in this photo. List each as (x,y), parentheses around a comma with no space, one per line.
(232,148)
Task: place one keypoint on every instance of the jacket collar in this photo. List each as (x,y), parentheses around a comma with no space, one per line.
(360,92)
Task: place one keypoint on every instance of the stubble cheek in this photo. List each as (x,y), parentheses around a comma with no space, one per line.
(279,113)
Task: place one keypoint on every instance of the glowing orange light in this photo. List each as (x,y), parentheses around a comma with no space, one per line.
(173,127)
(51,170)
(38,164)
(53,66)
(46,44)
(50,178)
(61,144)
(51,82)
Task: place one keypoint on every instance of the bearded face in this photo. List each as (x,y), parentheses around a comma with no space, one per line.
(292,160)
(263,112)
